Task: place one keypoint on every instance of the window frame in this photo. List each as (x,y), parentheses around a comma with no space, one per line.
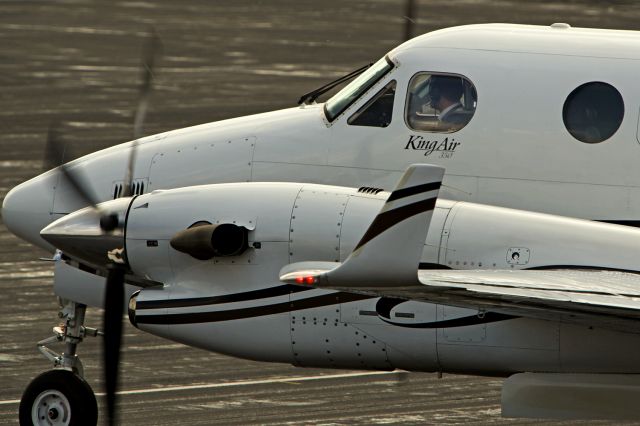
(360,95)
(439,73)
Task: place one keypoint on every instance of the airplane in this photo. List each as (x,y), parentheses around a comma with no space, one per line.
(570,102)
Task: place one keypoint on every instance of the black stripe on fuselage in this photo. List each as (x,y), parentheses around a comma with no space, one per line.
(428,265)
(314,302)
(631,223)
(581,268)
(386,304)
(387,219)
(413,190)
(476,319)
(264,293)
(256,311)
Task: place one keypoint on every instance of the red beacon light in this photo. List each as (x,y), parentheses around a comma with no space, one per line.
(309,280)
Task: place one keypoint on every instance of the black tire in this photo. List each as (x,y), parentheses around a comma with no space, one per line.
(48,390)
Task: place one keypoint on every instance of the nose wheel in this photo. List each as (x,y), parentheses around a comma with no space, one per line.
(56,398)
(61,397)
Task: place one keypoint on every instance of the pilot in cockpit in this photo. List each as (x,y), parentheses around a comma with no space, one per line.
(440,103)
(445,93)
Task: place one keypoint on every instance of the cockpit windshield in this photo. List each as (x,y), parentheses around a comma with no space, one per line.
(347,96)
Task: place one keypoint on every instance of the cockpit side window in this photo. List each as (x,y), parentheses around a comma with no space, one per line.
(442,103)
(352,92)
(378,111)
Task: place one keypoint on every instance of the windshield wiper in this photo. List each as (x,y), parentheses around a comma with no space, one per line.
(313,95)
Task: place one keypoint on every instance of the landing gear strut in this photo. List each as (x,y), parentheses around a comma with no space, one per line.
(61,396)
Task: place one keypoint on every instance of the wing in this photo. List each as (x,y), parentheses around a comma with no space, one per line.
(608,299)
(595,298)
(385,263)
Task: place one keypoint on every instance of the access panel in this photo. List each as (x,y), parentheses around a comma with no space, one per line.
(202,162)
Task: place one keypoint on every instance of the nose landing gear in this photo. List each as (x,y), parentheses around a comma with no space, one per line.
(61,396)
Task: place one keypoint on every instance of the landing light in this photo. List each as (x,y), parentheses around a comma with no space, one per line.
(133,302)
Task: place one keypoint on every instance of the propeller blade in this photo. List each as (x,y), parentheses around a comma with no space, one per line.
(114,291)
(114,299)
(109,222)
(409,19)
(151,52)
(54,157)
(54,149)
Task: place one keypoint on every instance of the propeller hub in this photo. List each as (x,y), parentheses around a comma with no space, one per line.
(91,235)
(109,222)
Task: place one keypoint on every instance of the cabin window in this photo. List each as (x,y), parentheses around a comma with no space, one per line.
(441,103)
(593,112)
(352,92)
(378,111)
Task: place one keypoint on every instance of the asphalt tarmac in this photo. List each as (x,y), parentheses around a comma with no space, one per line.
(76,62)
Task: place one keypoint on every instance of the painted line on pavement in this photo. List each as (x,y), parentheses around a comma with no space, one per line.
(239,383)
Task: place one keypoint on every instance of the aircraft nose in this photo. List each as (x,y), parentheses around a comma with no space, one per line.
(26,209)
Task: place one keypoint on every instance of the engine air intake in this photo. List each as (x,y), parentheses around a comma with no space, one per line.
(202,240)
(369,190)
